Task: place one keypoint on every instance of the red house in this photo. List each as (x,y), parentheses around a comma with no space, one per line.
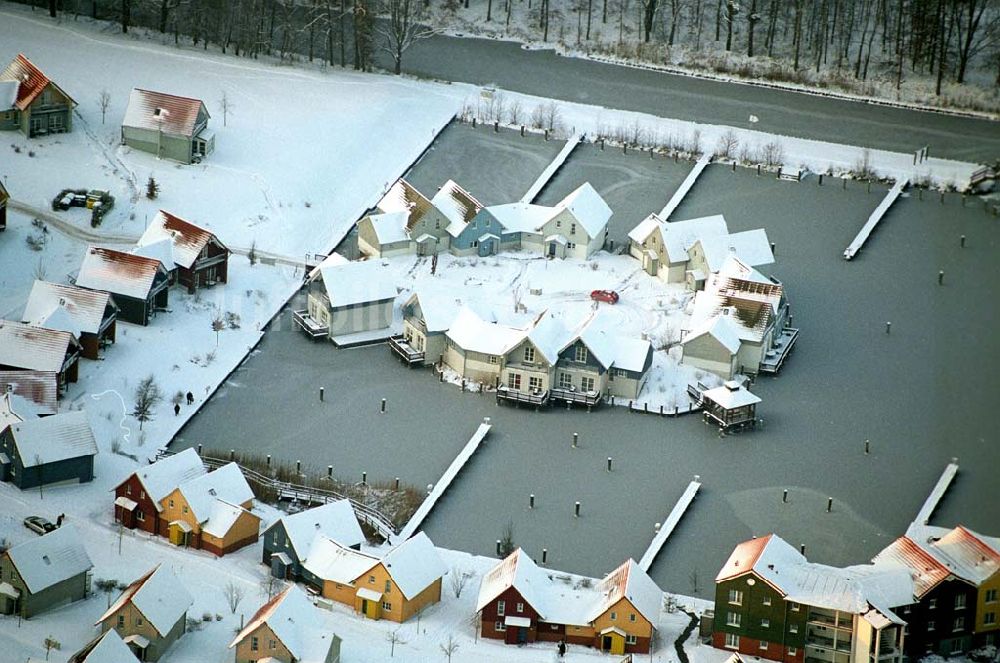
(137,497)
(195,257)
(510,601)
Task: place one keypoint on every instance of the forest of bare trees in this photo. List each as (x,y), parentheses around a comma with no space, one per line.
(943,41)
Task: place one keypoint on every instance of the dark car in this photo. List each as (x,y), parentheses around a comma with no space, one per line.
(608,296)
(39,525)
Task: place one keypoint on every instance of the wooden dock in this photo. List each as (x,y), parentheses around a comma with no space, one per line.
(441,486)
(667,528)
(932,501)
(682,190)
(876,216)
(551,169)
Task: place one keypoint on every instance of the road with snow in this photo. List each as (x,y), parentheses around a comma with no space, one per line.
(543,73)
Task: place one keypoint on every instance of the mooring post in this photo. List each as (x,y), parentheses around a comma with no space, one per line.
(321,394)
(868,447)
(522,131)
(576,510)
(383,406)
(232,454)
(758,170)
(802,549)
(364,478)
(888,327)
(396,484)
(821,179)
(576,438)
(941,200)
(498,547)
(199,449)
(545,555)
(531,501)
(844,181)
(496,127)
(779,173)
(829,504)
(734,166)
(940,277)
(546,134)
(624,148)
(269,460)
(961,241)
(772,248)
(609,463)
(473,122)
(784,496)
(869,186)
(329,472)
(298,467)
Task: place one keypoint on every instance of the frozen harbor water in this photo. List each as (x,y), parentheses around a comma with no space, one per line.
(921,395)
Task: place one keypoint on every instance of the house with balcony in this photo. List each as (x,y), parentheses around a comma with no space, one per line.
(138,496)
(31,103)
(194,257)
(529,366)
(168,126)
(90,315)
(772,603)
(521,603)
(37,350)
(140,285)
(44,573)
(286,630)
(427,316)
(288,541)
(476,348)
(348,302)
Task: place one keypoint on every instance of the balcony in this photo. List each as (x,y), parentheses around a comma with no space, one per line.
(775,357)
(309,325)
(830,621)
(536,398)
(402,348)
(820,642)
(588,398)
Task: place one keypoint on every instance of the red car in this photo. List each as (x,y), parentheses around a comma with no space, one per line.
(608,296)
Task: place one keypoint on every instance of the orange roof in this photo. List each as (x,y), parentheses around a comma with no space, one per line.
(743,558)
(164,112)
(262,615)
(32,80)
(927,572)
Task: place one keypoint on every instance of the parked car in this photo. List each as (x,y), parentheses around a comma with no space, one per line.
(39,525)
(607,296)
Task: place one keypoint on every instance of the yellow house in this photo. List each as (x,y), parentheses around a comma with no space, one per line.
(628,610)
(395,587)
(211,511)
(281,631)
(150,614)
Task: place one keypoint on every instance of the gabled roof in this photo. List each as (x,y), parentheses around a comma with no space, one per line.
(289,615)
(158,595)
(721,328)
(549,336)
(118,273)
(52,439)
(751,246)
(105,648)
(520,217)
(457,205)
(403,198)
(645,228)
(390,227)
(967,554)
(85,308)
(187,240)
(610,348)
(588,208)
(161,249)
(439,312)
(353,283)
(414,565)
(329,560)
(223,516)
(40,388)
(335,520)
(519,571)
(473,334)
(34,348)
(31,81)
(159,111)
(160,478)
(4,196)
(678,236)
(47,560)
(927,572)
(630,582)
(8,412)
(226,483)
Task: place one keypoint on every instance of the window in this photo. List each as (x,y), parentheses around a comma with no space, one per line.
(254,644)
(932,604)
(142,494)
(795,606)
(138,621)
(767,600)
(990,618)
(991,596)
(959,601)
(558,223)
(499,627)
(763,644)
(630,639)
(765,623)
(514,380)
(734,619)
(520,607)
(570,245)
(565,381)
(171,504)
(732,641)
(388,586)
(631,617)
(792,651)
(587,384)
(437,225)
(581,353)
(930,625)
(121,619)
(184,509)
(572,229)
(793,628)
(371,580)
(386,606)
(956,646)
(535,384)
(958,624)
(128,489)
(529,354)
(140,516)
(494,359)
(475,243)
(735,597)
(501,608)
(614,616)
(272,644)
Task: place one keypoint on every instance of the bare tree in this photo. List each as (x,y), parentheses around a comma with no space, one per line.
(226,106)
(234,594)
(459,579)
(728,142)
(394,639)
(515,112)
(104,103)
(402,28)
(449,647)
(147,397)
(218,324)
(507,545)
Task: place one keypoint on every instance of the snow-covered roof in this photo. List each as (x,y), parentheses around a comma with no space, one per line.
(588,208)
(353,283)
(331,260)
(162,477)
(158,595)
(630,582)
(610,348)
(438,311)
(331,561)
(105,648)
(85,308)
(335,520)
(226,483)
(404,197)
(161,249)
(645,228)
(721,328)
(37,389)
(457,205)
(733,267)
(290,617)
(520,217)
(751,317)
(390,227)
(751,246)
(186,240)
(731,395)
(925,569)
(117,272)
(414,565)
(519,571)
(51,439)
(46,560)
(632,353)
(473,334)
(34,348)
(8,413)
(159,111)
(678,236)
(967,554)
(549,335)
(222,518)
(30,82)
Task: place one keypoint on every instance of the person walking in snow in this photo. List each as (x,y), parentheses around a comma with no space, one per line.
(190,398)
(562,648)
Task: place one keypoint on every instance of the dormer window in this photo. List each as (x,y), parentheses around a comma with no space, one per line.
(529,354)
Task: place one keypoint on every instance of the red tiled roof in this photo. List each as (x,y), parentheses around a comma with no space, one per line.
(117,272)
(161,111)
(188,239)
(743,558)
(32,80)
(39,387)
(927,572)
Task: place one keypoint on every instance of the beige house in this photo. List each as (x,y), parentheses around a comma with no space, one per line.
(348,300)
(476,349)
(150,614)
(577,228)
(285,630)
(405,221)
(426,319)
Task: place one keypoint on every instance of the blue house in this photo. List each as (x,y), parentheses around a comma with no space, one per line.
(50,450)
(288,541)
